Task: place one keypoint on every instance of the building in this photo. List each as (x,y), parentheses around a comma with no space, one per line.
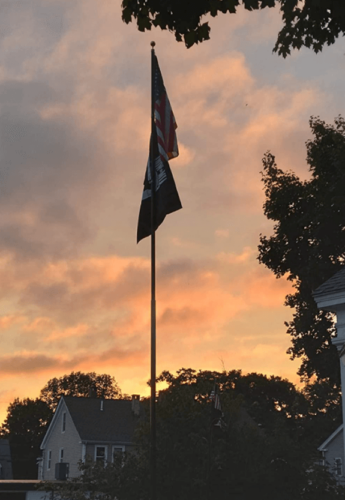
(5,460)
(332,451)
(330,296)
(87,427)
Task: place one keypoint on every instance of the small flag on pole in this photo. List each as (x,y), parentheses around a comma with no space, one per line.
(163,146)
(217,413)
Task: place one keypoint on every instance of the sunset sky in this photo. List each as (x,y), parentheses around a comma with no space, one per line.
(74,133)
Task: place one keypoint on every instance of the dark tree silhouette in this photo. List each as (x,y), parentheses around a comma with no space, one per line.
(256,452)
(309,23)
(25,426)
(79,384)
(308,243)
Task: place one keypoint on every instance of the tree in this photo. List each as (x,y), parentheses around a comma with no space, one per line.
(79,384)
(124,479)
(324,413)
(308,243)
(198,461)
(309,23)
(260,447)
(265,398)
(25,426)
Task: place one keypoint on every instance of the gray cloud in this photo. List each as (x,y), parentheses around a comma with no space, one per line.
(68,303)
(36,363)
(28,364)
(47,170)
(178,267)
(175,316)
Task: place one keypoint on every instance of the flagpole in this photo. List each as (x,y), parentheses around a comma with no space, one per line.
(153,291)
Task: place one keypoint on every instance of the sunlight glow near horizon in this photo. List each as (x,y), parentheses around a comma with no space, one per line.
(74,131)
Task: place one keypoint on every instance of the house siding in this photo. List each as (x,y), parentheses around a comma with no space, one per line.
(90,449)
(68,440)
(335,449)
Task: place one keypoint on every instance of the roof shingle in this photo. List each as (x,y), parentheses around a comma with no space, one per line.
(116,422)
(335,284)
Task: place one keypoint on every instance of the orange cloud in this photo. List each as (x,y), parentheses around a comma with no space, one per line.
(10,320)
(75,288)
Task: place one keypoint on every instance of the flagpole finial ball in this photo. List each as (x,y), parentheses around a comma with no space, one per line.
(153,44)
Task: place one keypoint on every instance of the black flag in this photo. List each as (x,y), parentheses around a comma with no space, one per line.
(163,146)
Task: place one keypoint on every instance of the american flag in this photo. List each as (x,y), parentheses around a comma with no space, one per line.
(217,413)
(164,146)
(164,118)
(214,396)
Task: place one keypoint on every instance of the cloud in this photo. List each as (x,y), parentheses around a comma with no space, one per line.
(9,320)
(222,233)
(247,254)
(111,295)
(74,134)
(185,157)
(46,170)
(26,362)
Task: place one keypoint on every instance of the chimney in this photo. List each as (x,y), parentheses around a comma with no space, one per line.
(92,391)
(136,404)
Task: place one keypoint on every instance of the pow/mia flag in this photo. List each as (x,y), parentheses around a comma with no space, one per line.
(164,147)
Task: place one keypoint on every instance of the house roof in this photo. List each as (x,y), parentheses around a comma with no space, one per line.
(116,422)
(323,446)
(335,284)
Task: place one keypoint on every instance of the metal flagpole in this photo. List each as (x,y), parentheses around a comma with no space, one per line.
(153,289)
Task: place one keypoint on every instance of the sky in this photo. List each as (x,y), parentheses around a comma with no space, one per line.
(74,135)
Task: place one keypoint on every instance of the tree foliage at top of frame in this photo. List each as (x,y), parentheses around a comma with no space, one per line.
(309,23)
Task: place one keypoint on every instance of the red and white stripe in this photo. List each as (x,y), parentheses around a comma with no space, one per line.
(165,126)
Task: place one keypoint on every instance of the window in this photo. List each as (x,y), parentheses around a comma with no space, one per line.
(117,450)
(338,466)
(101,454)
(61,455)
(49,459)
(63,422)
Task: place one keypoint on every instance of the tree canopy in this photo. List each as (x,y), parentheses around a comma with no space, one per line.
(79,384)
(255,450)
(25,426)
(309,23)
(308,243)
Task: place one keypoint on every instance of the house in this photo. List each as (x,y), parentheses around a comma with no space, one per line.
(333,454)
(87,427)
(330,296)
(5,460)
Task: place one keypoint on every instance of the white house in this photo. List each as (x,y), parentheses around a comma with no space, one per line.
(332,450)
(81,427)
(5,460)
(330,296)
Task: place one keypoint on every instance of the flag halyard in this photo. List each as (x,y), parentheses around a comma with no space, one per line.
(163,147)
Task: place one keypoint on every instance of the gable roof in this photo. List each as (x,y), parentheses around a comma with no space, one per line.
(330,438)
(52,424)
(335,284)
(116,422)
